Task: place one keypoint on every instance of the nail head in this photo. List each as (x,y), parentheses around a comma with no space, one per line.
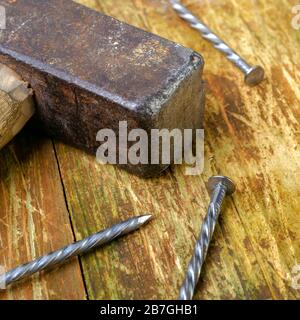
(215,180)
(254,76)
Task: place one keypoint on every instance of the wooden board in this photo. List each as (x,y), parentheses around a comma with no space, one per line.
(252,136)
(34,219)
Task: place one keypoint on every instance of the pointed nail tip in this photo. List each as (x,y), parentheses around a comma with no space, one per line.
(145,218)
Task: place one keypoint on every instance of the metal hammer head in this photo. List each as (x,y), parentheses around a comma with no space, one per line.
(89,71)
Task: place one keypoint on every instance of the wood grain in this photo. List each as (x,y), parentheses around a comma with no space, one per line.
(34,219)
(252,136)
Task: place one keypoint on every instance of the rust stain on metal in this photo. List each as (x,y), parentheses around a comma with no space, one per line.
(89,71)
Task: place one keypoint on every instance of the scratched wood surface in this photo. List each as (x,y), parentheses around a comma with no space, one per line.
(34,219)
(51,194)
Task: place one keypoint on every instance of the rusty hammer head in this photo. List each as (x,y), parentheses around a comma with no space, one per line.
(89,71)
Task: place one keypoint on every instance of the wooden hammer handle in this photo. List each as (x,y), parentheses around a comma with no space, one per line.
(16,104)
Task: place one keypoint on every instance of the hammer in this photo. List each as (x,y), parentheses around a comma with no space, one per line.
(76,71)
